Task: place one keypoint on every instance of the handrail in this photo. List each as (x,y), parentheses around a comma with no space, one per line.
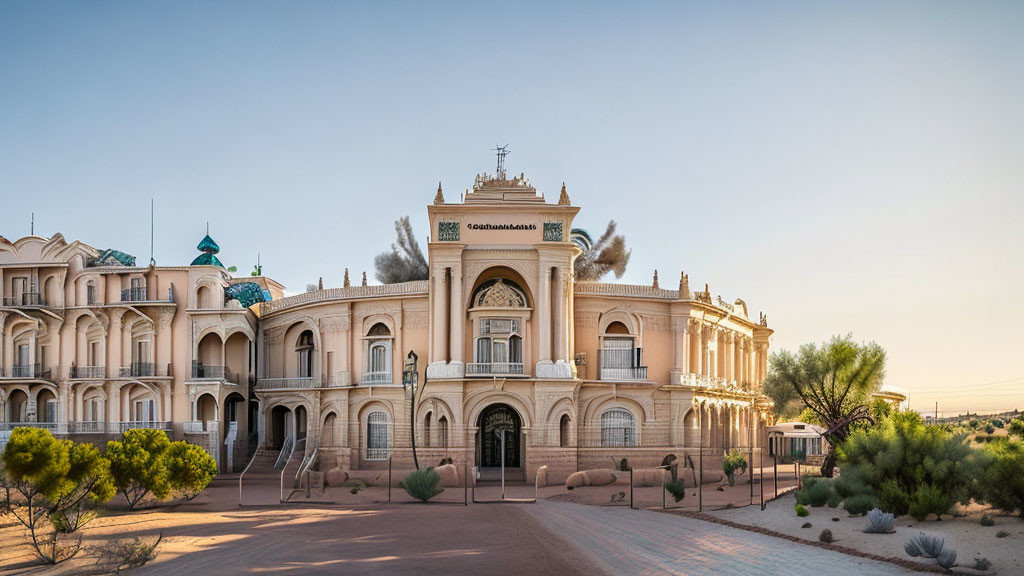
(285,467)
(304,468)
(240,476)
(285,447)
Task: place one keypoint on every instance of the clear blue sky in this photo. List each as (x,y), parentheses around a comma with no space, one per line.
(843,168)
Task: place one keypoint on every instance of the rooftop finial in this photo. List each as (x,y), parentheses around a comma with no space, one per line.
(655,279)
(347,284)
(684,286)
(563,198)
(364,277)
(439,198)
(320,284)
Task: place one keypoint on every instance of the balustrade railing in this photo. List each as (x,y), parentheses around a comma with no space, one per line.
(621,364)
(139,294)
(377,378)
(8,426)
(88,371)
(133,425)
(494,369)
(137,369)
(24,370)
(87,427)
(620,373)
(288,383)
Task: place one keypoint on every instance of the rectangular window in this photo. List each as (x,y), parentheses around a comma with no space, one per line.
(51,410)
(90,295)
(483,351)
(500,351)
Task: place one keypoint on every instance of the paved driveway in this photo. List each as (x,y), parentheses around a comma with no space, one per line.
(624,541)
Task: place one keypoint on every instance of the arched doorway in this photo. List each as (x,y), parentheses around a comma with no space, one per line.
(497,421)
(300,423)
(17,406)
(280,420)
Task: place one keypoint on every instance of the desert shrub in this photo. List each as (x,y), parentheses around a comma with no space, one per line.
(973,423)
(677,488)
(924,546)
(815,492)
(1002,534)
(981,564)
(880,522)
(892,498)
(989,429)
(137,465)
(929,500)
(859,505)
(902,449)
(189,469)
(1001,475)
(423,484)
(805,524)
(834,499)
(946,558)
(825,536)
(733,461)
(801,510)
(998,423)
(127,553)
(1017,426)
(670,463)
(60,484)
(987,520)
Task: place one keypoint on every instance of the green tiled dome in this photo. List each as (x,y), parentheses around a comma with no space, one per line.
(247,293)
(208,245)
(208,248)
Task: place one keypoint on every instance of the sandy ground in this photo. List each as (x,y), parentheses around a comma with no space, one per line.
(212,535)
(970,539)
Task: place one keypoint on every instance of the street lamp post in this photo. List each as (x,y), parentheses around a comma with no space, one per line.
(410,379)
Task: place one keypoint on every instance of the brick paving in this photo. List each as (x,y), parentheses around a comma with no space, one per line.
(644,542)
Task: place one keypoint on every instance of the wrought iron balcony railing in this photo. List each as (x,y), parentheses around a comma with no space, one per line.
(494,369)
(25,299)
(7,426)
(24,370)
(139,294)
(305,382)
(619,373)
(89,372)
(123,426)
(205,372)
(87,427)
(137,369)
(621,364)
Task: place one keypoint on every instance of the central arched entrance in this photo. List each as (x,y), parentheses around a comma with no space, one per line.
(497,421)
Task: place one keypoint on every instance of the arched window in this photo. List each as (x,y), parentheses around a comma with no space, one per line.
(304,348)
(426,430)
(378,355)
(563,431)
(618,428)
(442,432)
(499,311)
(90,293)
(377,436)
(620,358)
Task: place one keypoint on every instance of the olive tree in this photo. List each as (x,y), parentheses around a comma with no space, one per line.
(834,380)
(57,485)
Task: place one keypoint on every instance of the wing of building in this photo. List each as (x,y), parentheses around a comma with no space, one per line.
(516,361)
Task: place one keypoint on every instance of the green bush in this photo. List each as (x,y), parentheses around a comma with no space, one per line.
(137,465)
(816,492)
(423,484)
(998,423)
(60,484)
(893,499)
(732,462)
(987,520)
(989,429)
(677,488)
(858,505)
(1001,475)
(929,500)
(1017,426)
(190,469)
(801,510)
(901,449)
(826,536)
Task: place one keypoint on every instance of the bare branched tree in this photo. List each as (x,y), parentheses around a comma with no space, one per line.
(405,262)
(608,254)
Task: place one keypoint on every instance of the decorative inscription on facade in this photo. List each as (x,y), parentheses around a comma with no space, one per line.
(553,232)
(448,231)
(503,226)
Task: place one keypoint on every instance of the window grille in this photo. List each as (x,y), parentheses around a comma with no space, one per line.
(377,436)
(618,428)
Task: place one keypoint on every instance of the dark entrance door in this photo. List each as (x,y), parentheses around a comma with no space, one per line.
(497,421)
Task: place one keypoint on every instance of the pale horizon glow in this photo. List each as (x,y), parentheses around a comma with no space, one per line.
(842,168)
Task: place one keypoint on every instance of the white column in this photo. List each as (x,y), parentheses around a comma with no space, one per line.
(543,325)
(558,307)
(457,324)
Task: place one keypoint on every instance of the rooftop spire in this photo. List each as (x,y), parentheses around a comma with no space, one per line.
(655,279)
(364,277)
(439,198)
(563,198)
(347,284)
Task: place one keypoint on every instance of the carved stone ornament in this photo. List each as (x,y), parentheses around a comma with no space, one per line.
(500,295)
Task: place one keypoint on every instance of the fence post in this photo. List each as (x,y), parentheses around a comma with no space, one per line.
(389,479)
(465,488)
(776,478)
(760,461)
(631,488)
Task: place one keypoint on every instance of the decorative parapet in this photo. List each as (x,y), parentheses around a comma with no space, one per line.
(416,287)
(716,384)
(603,289)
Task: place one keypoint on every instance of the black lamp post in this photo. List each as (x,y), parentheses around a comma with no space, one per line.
(410,379)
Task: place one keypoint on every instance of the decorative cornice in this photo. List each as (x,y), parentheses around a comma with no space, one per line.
(414,288)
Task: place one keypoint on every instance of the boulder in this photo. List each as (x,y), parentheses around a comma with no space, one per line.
(590,478)
(449,475)
(336,477)
(542,476)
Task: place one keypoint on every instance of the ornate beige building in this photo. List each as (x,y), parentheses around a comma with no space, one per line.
(517,361)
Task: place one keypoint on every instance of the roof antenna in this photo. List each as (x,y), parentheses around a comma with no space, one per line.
(32,226)
(152,224)
(207,227)
(502,152)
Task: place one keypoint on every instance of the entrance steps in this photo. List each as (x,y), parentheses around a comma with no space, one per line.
(493,475)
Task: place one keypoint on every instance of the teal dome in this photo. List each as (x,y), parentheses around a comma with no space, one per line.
(208,248)
(208,245)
